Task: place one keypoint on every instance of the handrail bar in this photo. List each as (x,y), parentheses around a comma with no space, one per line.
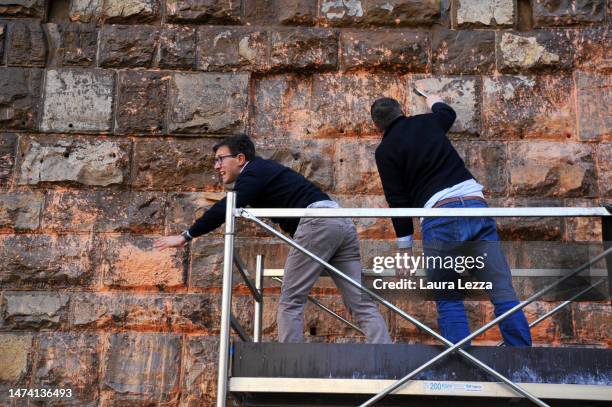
(422,212)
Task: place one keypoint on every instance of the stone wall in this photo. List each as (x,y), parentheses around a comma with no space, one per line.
(109,109)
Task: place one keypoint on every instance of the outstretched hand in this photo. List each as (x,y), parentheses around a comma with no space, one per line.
(433,99)
(169,241)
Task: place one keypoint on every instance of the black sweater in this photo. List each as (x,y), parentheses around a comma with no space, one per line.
(264,184)
(416,160)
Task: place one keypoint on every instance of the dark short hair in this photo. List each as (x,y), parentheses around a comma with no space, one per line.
(384,111)
(240,144)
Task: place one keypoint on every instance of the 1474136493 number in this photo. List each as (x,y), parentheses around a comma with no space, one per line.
(40,393)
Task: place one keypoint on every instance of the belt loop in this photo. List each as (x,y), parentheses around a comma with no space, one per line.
(461,198)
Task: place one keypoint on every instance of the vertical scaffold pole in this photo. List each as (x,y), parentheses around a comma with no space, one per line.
(606,235)
(257,326)
(226,300)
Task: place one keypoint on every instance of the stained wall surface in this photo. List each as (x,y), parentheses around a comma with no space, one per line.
(109,110)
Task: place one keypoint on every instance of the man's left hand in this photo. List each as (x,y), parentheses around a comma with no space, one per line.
(169,241)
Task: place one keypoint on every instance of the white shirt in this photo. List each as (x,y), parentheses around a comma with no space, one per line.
(465,188)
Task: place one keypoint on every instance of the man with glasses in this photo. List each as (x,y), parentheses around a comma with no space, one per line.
(261,183)
(420,168)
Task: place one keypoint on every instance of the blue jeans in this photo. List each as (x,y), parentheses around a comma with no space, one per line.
(461,236)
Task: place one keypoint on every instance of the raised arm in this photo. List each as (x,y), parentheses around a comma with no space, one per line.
(444,114)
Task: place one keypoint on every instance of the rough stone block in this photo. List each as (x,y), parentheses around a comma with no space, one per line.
(8,145)
(402,12)
(175,164)
(20,94)
(543,50)
(273,251)
(131,261)
(604,170)
(165,312)
(485,13)
(527,229)
(131,11)
(463,51)
(35,310)
(200,370)
(185,207)
(78,100)
(341,103)
(232,48)
(127,46)
(555,13)
(281,107)
(379,13)
(404,51)
(312,159)
(296,12)
(104,211)
(528,106)
(305,49)
(79,44)
(260,12)
(206,11)
(68,361)
(20,210)
(208,103)
(207,263)
(462,93)
(341,13)
(587,316)
(42,261)
(85,11)
(594,102)
(591,48)
(355,170)
(16,355)
(141,106)
(177,47)
(583,229)
(142,367)
(72,160)
(23,8)
(546,168)
(487,162)
(26,44)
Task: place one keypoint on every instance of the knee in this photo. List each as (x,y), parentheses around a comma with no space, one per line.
(291,303)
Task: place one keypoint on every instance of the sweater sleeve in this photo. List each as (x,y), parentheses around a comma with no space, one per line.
(444,114)
(395,193)
(247,187)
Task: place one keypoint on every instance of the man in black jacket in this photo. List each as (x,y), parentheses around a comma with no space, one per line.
(263,183)
(420,168)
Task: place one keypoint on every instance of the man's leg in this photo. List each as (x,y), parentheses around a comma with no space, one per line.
(301,273)
(365,311)
(452,320)
(514,329)
(442,237)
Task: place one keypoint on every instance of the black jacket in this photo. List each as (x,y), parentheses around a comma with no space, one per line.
(416,160)
(264,184)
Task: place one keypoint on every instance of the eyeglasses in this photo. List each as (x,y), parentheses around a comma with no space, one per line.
(219,160)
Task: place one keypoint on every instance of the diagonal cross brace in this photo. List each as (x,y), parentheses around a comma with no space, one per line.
(244,213)
(486,327)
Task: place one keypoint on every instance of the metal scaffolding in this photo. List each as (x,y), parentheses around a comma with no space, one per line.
(256,286)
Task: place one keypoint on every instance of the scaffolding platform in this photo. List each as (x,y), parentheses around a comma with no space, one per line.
(314,374)
(307,374)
